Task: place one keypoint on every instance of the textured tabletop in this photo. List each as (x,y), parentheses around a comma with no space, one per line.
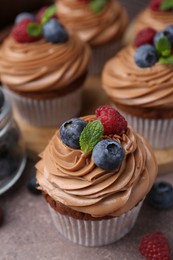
(28,232)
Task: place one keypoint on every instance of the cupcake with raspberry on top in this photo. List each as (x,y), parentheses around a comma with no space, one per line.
(139,82)
(94,175)
(100,23)
(43,68)
(158,14)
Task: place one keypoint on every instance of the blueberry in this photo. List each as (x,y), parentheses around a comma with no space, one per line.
(168,32)
(161,195)
(108,154)
(54,32)
(70,132)
(32,186)
(157,37)
(5,169)
(22,16)
(1,216)
(2,99)
(146,56)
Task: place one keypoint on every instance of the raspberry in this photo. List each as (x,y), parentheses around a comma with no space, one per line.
(155,5)
(112,120)
(20,33)
(145,36)
(155,247)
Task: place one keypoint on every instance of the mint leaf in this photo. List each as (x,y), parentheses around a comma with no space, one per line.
(49,13)
(91,135)
(34,29)
(97,5)
(166,5)
(166,60)
(163,46)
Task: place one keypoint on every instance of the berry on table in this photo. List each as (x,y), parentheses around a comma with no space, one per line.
(108,154)
(54,32)
(146,56)
(144,36)
(161,195)
(70,132)
(23,16)
(113,122)
(22,34)
(155,246)
(32,186)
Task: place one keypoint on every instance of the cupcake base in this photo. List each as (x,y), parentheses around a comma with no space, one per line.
(95,232)
(101,54)
(47,112)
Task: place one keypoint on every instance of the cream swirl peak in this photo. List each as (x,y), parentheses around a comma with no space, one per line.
(96,28)
(71,177)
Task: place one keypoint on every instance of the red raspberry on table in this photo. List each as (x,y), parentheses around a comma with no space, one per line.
(113,122)
(20,33)
(155,5)
(145,36)
(155,247)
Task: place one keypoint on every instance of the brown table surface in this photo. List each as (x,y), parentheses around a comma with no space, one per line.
(28,232)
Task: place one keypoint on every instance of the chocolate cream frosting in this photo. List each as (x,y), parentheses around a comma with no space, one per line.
(94,28)
(158,20)
(42,66)
(128,85)
(70,177)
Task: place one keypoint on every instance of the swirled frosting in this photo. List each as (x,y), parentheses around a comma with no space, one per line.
(42,66)
(148,18)
(127,84)
(94,28)
(72,178)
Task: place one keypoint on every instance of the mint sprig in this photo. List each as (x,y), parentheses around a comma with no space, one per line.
(34,29)
(163,46)
(48,14)
(91,135)
(166,60)
(97,5)
(166,5)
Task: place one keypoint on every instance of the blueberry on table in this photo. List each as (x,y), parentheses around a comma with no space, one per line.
(161,195)
(5,169)
(108,154)
(70,132)
(32,186)
(146,56)
(54,32)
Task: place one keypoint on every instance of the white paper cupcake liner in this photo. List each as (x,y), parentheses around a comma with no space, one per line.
(101,54)
(158,132)
(95,233)
(47,113)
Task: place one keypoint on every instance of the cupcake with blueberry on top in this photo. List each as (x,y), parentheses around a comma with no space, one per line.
(43,68)
(100,23)
(94,174)
(139,82)
(158,13)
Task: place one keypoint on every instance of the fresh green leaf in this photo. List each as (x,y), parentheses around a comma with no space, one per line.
(48,14)
(91,135)
(166,5)
(166,60)
(34,29)
(97,5)
(163,46)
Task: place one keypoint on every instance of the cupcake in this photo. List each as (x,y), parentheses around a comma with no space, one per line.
(99,23)
(139,82)
(157,14)
(43,68)
(94,174)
